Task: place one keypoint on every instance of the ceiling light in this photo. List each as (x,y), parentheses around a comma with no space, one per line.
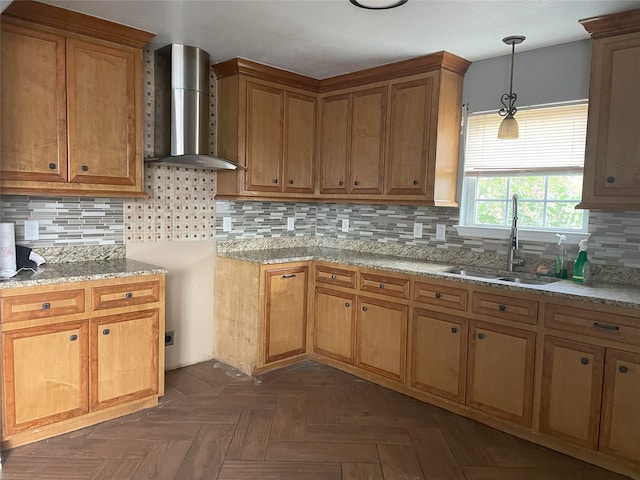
(509,126)
(378,4)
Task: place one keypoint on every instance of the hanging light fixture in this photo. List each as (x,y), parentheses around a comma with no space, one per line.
(509,125)
(378,4)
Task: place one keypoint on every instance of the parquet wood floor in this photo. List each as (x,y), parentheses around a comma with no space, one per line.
(306,422)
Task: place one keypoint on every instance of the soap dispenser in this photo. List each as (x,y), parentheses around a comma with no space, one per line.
(561,257)
(581,265)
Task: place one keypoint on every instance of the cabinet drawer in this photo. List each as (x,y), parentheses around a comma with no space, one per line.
(505,307)
(335,276)
(124,295)
(34,306)
(592,323)
(448,297)
(384,285)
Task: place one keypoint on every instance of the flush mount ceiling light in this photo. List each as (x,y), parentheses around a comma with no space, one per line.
(378,4)
(509,126)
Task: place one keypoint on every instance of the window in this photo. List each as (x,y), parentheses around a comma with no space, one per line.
(543,167)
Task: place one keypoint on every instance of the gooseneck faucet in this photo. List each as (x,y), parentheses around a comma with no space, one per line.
(512,261)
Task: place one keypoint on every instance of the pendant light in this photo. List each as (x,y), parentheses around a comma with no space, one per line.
(509,125)
(378,4)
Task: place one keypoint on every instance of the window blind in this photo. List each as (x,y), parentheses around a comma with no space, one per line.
(551,139)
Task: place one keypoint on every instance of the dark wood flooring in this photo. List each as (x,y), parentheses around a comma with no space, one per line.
(306,422)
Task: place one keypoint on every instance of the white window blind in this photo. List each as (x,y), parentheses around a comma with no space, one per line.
(551,139)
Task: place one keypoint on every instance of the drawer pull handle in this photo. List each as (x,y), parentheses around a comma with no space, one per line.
(584,361)
(52,166)
(605,326)
(364,309)
(454,330)
(382,285)
(438,295)
(73,338)
(292,275)
(333,277)
(623,369)
(611,179)
(347,304)
(128,295)
(46,306)
(106,331)
(502,308)
(480,336)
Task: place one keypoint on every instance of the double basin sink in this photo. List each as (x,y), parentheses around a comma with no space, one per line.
(508,278)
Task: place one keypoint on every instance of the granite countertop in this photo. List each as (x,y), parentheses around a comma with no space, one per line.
(605,293)
(53,273)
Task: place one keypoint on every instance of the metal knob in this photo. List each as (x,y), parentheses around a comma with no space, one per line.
(73,338)
(480,336)
(290,182)
(502,308)
(275,180)
(52,166)
(347,304)
(611,179)
(623,369)
(364,309)
(46,306)
(356,183)
(438,295)
(85,168)
(454,330)
(584,361)
(333,277)
(415,182)
(340,183)
(382,285)
(106,331)
(128,295)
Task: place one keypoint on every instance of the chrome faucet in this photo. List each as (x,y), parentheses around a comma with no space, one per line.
(512,261)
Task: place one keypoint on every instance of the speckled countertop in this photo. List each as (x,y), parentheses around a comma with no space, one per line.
(604,293)
(53,273)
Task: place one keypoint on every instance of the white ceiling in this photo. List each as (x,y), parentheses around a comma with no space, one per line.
(323,38)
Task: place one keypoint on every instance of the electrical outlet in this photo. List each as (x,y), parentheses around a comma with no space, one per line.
(291,223)
(31,230)
(226,224)
(440,232)
(345,225)
(169,338)
(417,230)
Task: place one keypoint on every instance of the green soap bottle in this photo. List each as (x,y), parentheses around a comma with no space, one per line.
(561,257)
(581,265)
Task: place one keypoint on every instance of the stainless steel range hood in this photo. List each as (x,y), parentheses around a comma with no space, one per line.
(182,110)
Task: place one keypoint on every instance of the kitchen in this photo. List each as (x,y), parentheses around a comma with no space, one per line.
(189,303)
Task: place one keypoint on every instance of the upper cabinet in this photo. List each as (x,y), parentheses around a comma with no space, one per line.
(387,134)
(71,104)
(612,161)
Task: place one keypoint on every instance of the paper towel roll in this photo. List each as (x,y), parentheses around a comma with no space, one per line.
(7,250)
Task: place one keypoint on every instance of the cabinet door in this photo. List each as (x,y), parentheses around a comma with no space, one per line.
(103,113)
(571,389)
(265,119)
(124,358)
(286,312)
(335,135)
(409,138)
(300,143)
(40,389)
(366,162)
(33,142)
(439,354)
(620,428)
(334,324)
(381,337)
(612,170)
(500,371)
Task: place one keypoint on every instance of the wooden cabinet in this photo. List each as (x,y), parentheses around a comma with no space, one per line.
(285,312)
(65,360)
(500,371)
(71,106)
(334,324)
(571,390)
(353,142)
(438,362)
(611,167)
(381,337)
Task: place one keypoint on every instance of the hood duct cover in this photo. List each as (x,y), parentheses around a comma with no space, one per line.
(182,110)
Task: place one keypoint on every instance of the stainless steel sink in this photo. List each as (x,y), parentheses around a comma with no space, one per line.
(472,273)
(528,281)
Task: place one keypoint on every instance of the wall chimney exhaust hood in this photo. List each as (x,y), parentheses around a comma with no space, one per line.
(182,110)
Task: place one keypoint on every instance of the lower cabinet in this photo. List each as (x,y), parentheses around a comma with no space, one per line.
(500,371)
(334,325)
(46,374)
(381,337)
(285,312)
(438,361)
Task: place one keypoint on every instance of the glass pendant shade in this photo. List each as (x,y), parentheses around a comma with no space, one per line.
(508,128)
